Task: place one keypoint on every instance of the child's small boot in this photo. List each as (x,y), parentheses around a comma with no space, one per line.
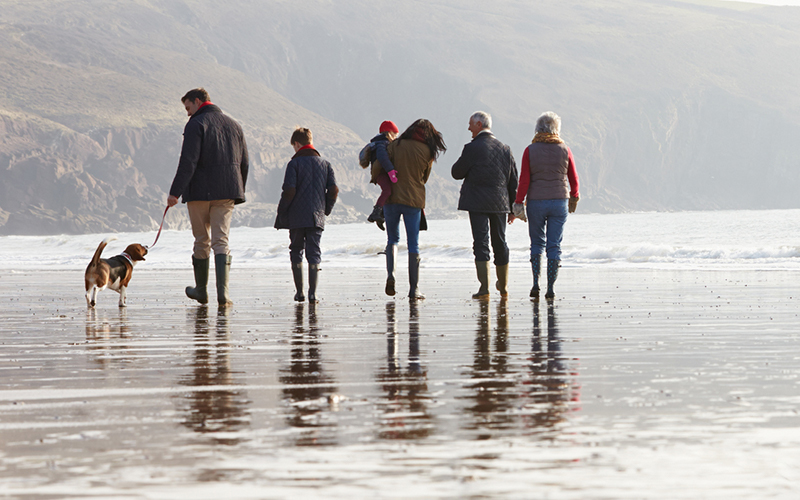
(377,216)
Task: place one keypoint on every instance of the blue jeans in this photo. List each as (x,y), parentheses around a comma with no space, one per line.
(546,220)
(411,218)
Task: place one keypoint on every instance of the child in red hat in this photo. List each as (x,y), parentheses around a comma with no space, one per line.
(382,175)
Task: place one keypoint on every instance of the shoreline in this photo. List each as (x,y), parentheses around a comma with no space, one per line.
(629,383)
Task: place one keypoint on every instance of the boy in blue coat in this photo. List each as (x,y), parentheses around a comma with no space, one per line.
(309,193)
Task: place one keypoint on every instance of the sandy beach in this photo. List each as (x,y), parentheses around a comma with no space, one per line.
(633,383)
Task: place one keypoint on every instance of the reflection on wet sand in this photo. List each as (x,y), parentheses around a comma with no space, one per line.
(103,338)
(217,410)
(307,388)
(405,405)
(494,392)
(551,387)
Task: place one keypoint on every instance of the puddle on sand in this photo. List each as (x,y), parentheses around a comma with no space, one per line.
(632,384)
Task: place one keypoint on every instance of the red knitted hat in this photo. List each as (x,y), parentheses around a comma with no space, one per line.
(389,126)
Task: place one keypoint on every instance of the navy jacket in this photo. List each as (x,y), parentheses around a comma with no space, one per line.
(214,163)
(490,176)
(311,180)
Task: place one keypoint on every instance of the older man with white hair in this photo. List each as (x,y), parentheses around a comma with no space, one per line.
(490,185)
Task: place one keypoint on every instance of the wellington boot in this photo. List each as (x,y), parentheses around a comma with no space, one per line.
(200,290)
(313,274)
(482,267)
(552,275)
(297,274)
(391,259)
(413,277)
(377,216)
(222,266)
(536,267)
(502,280)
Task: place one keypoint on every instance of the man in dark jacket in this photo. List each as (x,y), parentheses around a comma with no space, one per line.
(490,185)
(211,176)
(309,193)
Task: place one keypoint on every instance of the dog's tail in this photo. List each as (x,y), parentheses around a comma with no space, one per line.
(99,251)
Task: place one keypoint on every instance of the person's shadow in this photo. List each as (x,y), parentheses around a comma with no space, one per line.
(211,407)
(307,388)
(405,403)
(494,393)
(552,386)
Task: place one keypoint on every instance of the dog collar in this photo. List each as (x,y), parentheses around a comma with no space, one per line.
(127,257)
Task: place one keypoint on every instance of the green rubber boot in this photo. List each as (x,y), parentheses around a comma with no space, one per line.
(313,274)
(502,280)
(222,265)
(200,290)
(297,274)
(482,267)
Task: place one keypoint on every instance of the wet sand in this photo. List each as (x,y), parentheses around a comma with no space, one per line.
(631,384)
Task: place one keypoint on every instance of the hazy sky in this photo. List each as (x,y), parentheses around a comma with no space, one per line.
(770,2)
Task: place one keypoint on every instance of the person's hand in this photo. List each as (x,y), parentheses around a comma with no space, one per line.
(392,176)
(511,218)
(573,203)
(519,212)
(172,201)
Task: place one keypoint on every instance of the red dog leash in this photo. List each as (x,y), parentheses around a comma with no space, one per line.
(159,228)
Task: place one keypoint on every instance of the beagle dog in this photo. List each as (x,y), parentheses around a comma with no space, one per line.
(114,273)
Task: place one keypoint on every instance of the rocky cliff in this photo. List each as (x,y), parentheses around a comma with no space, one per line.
(667,105)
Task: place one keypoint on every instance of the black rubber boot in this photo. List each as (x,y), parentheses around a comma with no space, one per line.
(413,277)
(297,274)
(200,290)
(552,275)
(536,266)
(391,259)
(482,267)
(222,266)
(313,274)
(377,216)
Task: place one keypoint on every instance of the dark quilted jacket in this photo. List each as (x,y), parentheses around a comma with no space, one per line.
(490,176)
(312,179)
(213,164)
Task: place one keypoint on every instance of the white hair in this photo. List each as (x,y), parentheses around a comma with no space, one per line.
(549,123)
(483,117)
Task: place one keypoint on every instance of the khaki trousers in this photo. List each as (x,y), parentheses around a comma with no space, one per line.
(211,223)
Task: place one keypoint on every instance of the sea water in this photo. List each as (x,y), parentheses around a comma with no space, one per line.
(754,239)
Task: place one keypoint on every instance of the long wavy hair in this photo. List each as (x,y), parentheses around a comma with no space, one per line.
(424,131)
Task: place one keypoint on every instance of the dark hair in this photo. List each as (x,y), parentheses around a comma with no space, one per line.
(423,130)
(301,136)
(198,93)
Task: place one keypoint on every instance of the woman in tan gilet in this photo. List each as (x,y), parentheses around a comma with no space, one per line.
(549,180)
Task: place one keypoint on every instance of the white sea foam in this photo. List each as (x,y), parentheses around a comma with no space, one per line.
(768,239)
